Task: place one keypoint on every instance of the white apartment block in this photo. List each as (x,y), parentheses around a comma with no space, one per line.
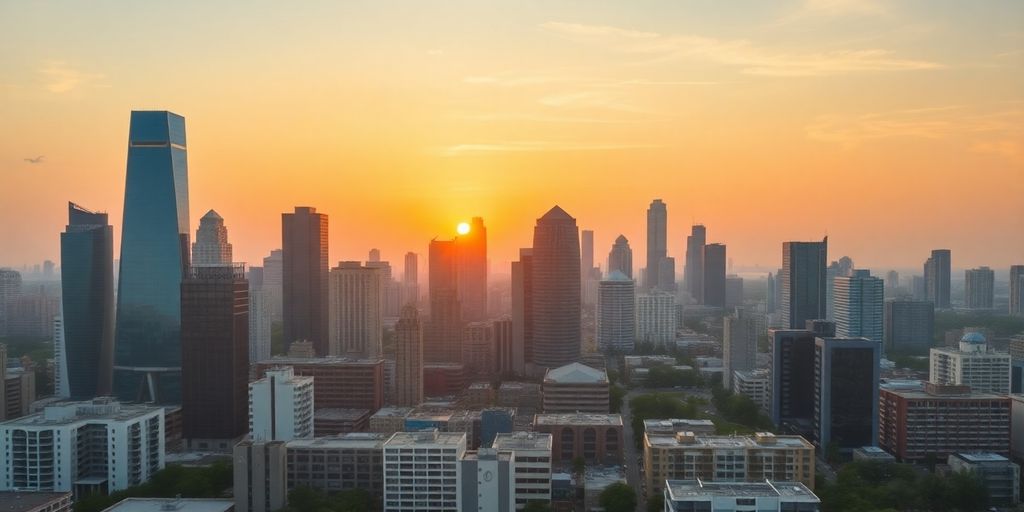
(755,385)
(82,447)
(532,452)
(281,406)
(656,318)
(422,471)
(974,365)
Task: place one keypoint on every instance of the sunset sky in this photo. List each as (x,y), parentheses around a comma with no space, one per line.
(893,127)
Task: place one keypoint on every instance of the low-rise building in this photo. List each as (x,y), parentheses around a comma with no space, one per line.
(674,426)
(422,471)
(488,481)
(1001,477)
(341,382)
(478,394)
(972,364)
(595,480)
(765,496)
(340,463)
(576,387)
(595,438)
(389,420)
(82,447)
(934,421)
(443,379)
(872,453)
(522,395)
(532,467)
(172,505)
(762,456)
(260,476)
(17,501)
(331,422)
(755,385)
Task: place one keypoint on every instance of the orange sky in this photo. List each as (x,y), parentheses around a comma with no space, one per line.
(894,127)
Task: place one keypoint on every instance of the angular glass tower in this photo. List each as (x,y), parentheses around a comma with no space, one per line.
(87,285)
(154,257)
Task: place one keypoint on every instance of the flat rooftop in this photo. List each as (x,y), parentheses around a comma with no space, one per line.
(352,440)
(325,361)
(696,489)
(392,412)
(172,504)
(72,412)
(982,457)
(341,414)
(523,441)
(578,418)
(923,395)
(703,441)
(425,438)
(13,501)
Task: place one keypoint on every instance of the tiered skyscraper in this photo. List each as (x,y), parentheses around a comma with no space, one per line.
(356,327)
(616,313)
(693,274)
(556,290)
(304,280)
(660,271)
(803,282)
(444,336)
(713,281)
(472,271)
(936,278)
(859,306)
(87,284)
(408,358)
(154,258)
(621,257)
(211,246)
(979,288)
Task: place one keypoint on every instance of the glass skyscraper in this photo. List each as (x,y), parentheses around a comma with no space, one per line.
(154,257)
(87,284)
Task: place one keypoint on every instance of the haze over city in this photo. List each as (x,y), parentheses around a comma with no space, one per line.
(893,127)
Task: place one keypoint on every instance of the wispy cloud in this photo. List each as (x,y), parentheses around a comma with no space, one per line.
(535,146)
(59,77)
(818,9)
(749,57)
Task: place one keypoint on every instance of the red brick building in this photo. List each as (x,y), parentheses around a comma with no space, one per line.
(338,382)
(596,438)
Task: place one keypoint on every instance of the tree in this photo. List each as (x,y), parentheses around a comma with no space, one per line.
(656,503)
(579,466)
(618,497)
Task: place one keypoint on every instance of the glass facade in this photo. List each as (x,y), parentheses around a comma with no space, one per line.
(87,284)
(154,256)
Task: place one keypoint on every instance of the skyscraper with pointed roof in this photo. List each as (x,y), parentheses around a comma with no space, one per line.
(620,258)
(556,301)
(211,246)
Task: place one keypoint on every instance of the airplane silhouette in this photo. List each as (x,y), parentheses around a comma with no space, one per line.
(36,160)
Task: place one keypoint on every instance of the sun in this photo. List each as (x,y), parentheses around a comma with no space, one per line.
(462,228)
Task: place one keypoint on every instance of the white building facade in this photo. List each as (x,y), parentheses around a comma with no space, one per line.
(281,406)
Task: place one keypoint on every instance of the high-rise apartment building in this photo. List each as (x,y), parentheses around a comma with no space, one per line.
(846,375)
(620,258)
(556,302)
(260,322)
(273,283)
(841,268)
(657,244)
(154,258)
(444,335)
(693,274)
(211,246)
(522,311)
(10,288)
(979,288)
(87,295)
(616,313)
(471,274)
(356,327)
(936,278)
(408,359)
(803,282)
(741,332)
(533,464)
(858,305)
(909,325)
(411,485)
(304,297)
(1017,290)
(656,318)
(215,355)
(972,364)
(713,282)
(281,406)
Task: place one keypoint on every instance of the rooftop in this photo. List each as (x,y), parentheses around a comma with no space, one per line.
(697,489)
(333,360)
(576,373)
(341,414)
(13,501)
(981,457)
(71,412)
(599,477)
(522,441)
(760,441)
(392,412)
(577,418)
(172,504)
(425,437)
(351,440)
(675,424)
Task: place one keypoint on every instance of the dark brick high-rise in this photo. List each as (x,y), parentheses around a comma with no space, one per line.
(305,267)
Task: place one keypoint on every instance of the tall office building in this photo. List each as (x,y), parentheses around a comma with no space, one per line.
(656,318)
(803,282)
(1017,290)
(355,310)
(840,268)
(304,298)
(733,291)
(792,388)
(979,288)
(657,243)
(273,283)
(87,294)
(909,325)
(522,311)
(936,278)
(281,406)
(471,274)
(771,301)
(616,313)
(504,349)
(154,258)
(408,358)
(620,258)
(556,290)
(10,289)
(211,246)
(741,331)
(61,387)
(859,306)
(444,335)
(410,280)
(586,252)
(478,349)
(215,355)
(260,323)
(846,374)
(713,281)
(693,274)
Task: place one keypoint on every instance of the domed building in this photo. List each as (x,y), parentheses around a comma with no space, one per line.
(972,364)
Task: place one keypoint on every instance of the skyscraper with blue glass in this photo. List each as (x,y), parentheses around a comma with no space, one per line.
(87,285)
(154,257)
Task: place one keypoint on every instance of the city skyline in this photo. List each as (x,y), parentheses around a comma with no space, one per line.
(904,96)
